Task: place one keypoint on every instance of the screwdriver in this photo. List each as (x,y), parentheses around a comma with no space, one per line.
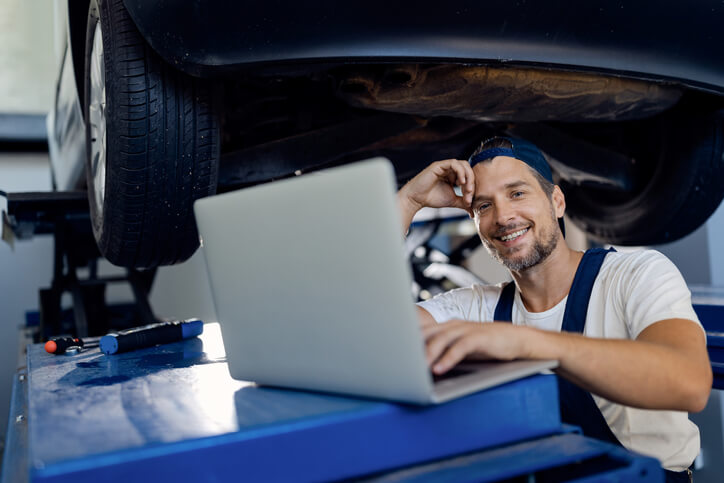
(59,345)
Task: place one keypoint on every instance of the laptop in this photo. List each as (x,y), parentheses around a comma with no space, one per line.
(313,290)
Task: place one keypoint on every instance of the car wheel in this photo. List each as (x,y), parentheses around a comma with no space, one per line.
(683,187)
(152,144)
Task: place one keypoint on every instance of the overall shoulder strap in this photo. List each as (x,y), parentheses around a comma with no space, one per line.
(504,308)
(577,405)
(574,317)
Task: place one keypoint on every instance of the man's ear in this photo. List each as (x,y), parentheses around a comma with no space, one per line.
(559,201)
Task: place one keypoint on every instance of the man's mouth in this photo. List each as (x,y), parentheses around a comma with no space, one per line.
(514,235)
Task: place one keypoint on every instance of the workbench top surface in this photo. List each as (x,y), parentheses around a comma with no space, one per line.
(178,403)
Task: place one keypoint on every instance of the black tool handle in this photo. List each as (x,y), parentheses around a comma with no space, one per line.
(140,337)
(59,345)
(151,335)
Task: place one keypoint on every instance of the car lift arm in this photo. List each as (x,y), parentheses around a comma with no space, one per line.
(66,216)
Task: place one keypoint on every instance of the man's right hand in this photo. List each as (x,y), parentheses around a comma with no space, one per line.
(434,187)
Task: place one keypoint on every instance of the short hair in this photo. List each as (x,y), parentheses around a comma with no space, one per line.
(500,142)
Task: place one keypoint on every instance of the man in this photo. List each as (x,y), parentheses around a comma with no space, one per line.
(621,325)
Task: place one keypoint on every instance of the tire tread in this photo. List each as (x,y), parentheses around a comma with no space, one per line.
(157,166)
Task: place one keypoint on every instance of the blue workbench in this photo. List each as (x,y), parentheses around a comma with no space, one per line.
(173,411)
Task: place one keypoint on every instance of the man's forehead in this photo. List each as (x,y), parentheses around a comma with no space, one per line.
(500,172)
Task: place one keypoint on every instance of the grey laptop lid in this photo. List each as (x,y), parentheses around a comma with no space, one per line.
(313,291)
(311,285)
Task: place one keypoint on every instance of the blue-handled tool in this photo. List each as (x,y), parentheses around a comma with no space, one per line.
(150,335)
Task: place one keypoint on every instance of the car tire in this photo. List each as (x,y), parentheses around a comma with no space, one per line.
(685,152)
(152,144)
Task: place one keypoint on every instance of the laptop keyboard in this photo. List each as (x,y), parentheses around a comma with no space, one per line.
(452,373)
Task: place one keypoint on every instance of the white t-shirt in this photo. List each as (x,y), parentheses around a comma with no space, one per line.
(632,291)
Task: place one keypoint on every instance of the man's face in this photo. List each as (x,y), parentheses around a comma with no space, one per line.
(516,221)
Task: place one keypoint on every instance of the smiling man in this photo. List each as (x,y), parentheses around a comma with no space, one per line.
(632,352)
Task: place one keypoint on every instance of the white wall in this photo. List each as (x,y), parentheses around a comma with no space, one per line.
(28,61)
(183,291)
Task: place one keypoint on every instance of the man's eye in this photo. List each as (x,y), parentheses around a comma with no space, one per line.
(483,207)
(517,194)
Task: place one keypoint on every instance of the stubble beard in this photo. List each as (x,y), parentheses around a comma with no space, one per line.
(541,249)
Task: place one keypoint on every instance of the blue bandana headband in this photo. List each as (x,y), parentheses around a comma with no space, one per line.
(490,153)
(521,150)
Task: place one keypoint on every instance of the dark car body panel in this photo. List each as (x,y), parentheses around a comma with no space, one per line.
(660,40)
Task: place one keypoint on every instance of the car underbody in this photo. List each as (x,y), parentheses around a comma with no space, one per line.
(432,111)
(636,151)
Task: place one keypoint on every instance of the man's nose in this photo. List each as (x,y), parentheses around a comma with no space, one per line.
(503,213)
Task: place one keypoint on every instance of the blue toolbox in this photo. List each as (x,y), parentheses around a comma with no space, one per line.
(173,412)
(710,309)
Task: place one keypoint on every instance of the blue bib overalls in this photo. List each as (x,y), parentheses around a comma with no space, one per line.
(577,405)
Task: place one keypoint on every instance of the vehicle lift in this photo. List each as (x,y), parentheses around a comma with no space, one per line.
(65,215)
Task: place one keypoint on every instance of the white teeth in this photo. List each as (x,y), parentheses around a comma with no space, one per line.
(514,235)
